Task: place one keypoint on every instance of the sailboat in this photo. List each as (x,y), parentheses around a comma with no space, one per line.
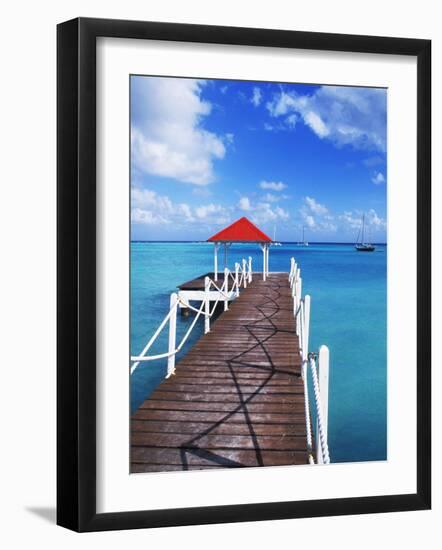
(304,242)
(361,245)
(274,237)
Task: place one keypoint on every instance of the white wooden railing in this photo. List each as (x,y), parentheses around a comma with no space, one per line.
(229,290)
(315,363)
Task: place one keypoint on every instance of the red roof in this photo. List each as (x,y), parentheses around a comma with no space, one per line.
(243,230)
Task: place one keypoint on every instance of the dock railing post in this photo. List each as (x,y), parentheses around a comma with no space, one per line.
(323,375)
(172,334)
(206,305)
(237,278)
(215,260)
(292,268)
(226,288)
(267,259)
(263,248)
(306,324)
(298,294)
(244,272)
(250,269)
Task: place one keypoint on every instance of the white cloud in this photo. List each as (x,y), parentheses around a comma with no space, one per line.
(282,104)
(256,96)
(378,178)
(168,138)
(349,219)
(315,207)
(345,115)
(229,138)
(202,212)
(268,197)
(309,221)
(273,185)
(353,220)
(374,220)
(291,120)
(147,217)
(316,216)
(150,208)
(146,198)
(264,213)
(244,204)
(316,124)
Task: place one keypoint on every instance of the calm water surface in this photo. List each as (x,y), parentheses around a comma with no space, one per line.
(348,314)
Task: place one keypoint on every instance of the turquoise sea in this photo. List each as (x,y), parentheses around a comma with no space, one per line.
(348,314)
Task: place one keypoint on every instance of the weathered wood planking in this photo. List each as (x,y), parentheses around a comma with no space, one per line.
(237,397)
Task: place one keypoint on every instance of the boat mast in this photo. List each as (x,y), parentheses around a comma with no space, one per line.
(363,227)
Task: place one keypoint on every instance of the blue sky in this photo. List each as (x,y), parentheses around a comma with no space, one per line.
(206,152)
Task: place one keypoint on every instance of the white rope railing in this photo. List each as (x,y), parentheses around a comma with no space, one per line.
(321,429)
(308,423)
(301,313)
(222,292)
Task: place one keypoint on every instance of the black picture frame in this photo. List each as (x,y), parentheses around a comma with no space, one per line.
(76,273)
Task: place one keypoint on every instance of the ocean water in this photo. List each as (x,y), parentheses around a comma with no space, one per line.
(348,314)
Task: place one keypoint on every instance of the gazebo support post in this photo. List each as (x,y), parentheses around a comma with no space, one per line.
(267,259)
(215,260)
(264,261)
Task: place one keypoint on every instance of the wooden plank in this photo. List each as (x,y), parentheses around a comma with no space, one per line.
(212,406)
(186,441)
(234,380)
(222,397)
(226,428)
(141,468)
(231,374)
(226,388)
(221,457)
(217,417)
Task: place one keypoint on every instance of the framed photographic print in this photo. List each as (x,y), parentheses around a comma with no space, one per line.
(243,274)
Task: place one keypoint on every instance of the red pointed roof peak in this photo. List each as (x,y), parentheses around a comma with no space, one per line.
(240,231)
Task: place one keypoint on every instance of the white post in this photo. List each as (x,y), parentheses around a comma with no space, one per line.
(267,259)
(206,305)
(323,375)
(263,248)
(250,269)
(172,335)
(244,272)
(215,260)
(298,295)
(300,329)
(237,278)
(292,269)
(226,288)
(306,324)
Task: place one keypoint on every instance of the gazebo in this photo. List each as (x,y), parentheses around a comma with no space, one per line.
(241,231)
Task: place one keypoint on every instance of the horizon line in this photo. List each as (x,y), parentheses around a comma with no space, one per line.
(251,242)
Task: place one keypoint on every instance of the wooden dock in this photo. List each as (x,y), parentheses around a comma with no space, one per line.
(237,397)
